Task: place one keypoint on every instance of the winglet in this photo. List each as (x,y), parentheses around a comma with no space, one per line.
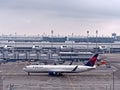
(92,60)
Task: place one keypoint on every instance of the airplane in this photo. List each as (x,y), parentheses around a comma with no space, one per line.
(60,69)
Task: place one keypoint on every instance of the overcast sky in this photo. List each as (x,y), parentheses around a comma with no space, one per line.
(64,17)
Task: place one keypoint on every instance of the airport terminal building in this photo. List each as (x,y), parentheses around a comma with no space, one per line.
(55,48)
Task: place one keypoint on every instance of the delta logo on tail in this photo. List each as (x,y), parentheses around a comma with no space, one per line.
(92,60)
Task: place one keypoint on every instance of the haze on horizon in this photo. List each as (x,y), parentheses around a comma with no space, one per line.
(64,17)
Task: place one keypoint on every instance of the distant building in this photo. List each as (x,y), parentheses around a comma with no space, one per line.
(58,39)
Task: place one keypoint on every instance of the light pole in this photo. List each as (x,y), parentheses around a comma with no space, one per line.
(50,51)
(52,38)
(2,81)
(72,42)
(96,39)
(87,39)
(113,80)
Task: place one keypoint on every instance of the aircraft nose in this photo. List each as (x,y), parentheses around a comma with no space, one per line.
(24,68)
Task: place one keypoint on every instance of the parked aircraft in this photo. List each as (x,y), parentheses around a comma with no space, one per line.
(59,69)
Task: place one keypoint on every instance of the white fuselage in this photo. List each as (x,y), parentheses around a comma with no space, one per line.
(57,68)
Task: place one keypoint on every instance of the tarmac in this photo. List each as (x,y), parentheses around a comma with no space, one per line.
(12,77)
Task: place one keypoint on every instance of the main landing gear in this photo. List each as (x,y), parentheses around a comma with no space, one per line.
(55,74)
(28,73)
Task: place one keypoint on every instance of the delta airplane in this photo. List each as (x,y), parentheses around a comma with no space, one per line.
(59,69)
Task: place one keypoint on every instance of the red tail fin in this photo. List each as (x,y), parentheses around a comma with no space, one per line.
(92,60)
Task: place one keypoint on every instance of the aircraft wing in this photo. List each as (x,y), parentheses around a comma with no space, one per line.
(64,70)
(58,70)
